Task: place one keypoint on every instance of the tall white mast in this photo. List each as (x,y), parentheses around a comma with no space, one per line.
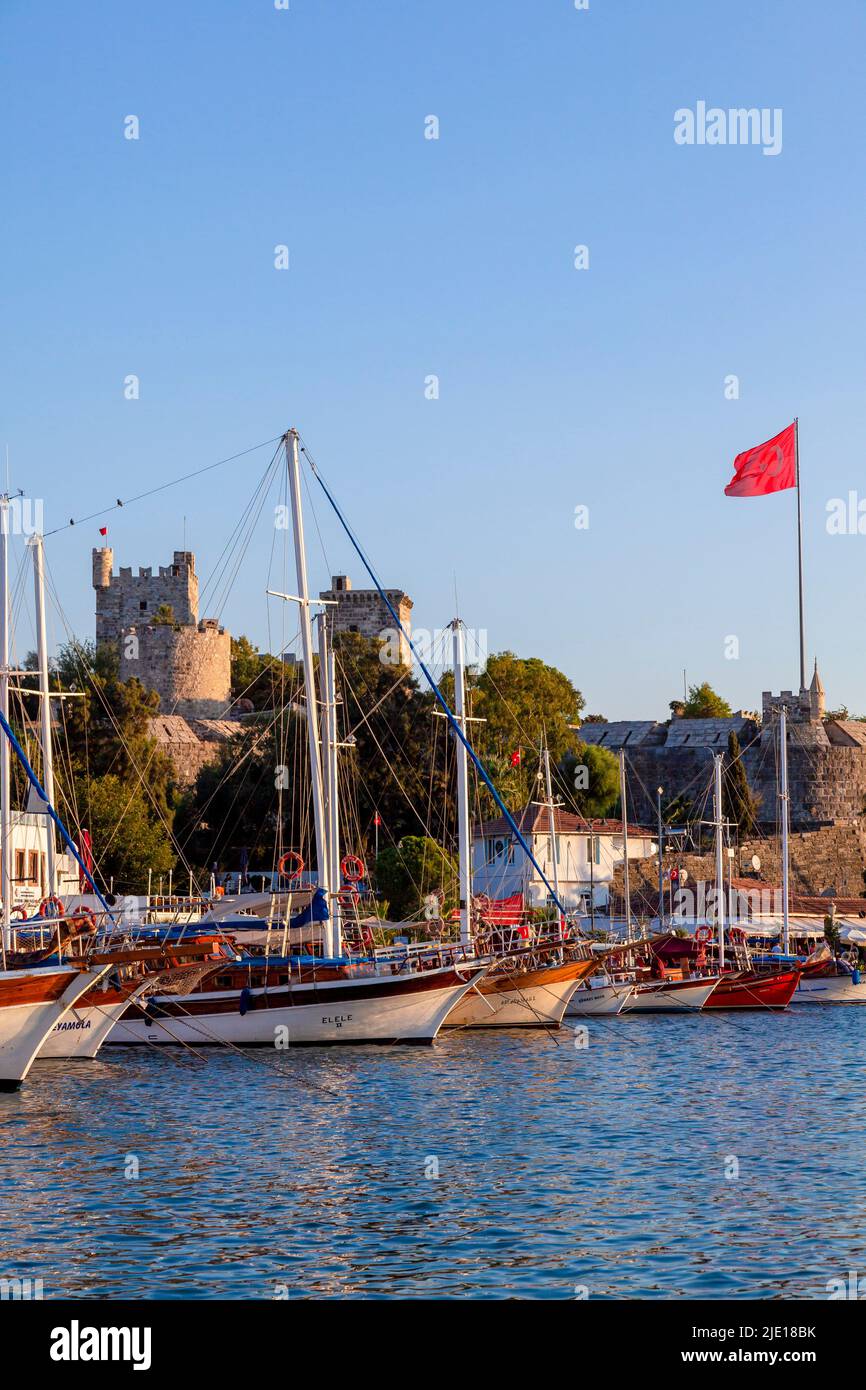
(624,805)
(720,872)
(554,838)
(44,705)
(783,797)
(463,834)
(5,773)
(303,597)
(328,674)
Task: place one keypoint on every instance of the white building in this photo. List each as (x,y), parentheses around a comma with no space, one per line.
(588,852)
(29,833)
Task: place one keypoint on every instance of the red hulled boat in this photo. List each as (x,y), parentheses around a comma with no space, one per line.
(748,990)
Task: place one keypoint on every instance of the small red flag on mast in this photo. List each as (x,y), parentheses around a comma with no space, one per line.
(770,467)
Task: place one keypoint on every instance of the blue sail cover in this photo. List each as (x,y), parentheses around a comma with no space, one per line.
(315,911)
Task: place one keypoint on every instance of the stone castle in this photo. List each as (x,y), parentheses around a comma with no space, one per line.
(826,758)
(362,610)
(152,620)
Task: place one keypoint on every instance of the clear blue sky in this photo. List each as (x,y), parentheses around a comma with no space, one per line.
(411,257)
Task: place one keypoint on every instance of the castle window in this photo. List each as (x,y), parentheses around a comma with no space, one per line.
(143,605)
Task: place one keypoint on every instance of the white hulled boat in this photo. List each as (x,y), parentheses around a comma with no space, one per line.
(599,995)
(32,1002)
(670,996)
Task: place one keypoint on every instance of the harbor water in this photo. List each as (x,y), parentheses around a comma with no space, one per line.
(698,1157)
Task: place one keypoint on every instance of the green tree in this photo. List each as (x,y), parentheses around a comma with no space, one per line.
(702,703)
(266,681)
(522,701)
(740,802)
(106,729)
(587,778)
(407,872)
(111,776)
(677,811)
(236,804)
(840,713)
(401,761)
(127,840)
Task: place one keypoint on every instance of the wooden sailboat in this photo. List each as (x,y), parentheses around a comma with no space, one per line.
(530,988)
(33,998)
(291,1001)
(32,1002)
(515,995)
(670,996)
(87,1025)
(747,988)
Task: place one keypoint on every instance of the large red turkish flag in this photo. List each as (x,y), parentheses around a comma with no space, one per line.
(769,467)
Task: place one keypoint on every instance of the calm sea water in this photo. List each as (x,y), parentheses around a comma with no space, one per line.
(559,1168)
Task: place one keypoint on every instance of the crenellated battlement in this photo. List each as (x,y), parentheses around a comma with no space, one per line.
(152,620)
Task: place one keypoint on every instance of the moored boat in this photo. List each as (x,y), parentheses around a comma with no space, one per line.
(749,990)
(514,998)
(33,1001)
(830,986)
(671,996)
(86,1026)
(283,1004)
(599,996)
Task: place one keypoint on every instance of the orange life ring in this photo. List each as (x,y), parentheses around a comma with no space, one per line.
(703,934)
(21,910)
(85,919)
(51,901)
(352,868)
(297,871)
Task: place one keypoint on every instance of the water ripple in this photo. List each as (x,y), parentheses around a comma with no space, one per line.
(493,1165)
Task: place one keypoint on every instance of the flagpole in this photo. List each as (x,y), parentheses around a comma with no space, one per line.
(800,555)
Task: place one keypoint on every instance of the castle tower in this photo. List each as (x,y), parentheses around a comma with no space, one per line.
(152,620)
(817,697)
(363,611)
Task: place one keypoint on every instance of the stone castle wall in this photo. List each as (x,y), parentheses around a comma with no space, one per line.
(188,667)
(126,600)
(186,661)
(831,862)
(826,766)
(363,611)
